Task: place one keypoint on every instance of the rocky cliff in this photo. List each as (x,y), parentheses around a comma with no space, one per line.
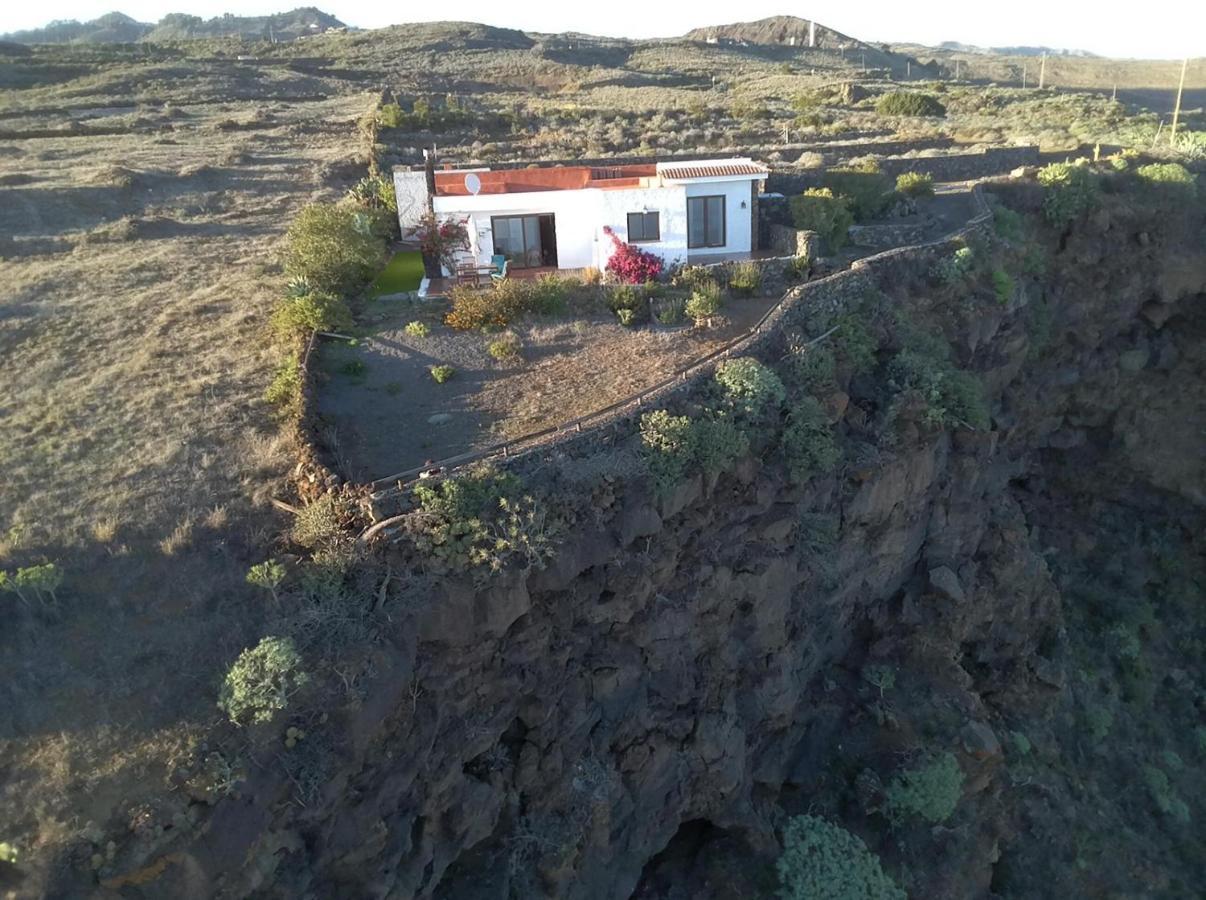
(639,717)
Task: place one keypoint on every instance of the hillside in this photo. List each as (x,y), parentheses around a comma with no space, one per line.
(790,31)
(116,27)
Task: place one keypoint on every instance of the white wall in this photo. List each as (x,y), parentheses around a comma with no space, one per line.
(411,190)
(737,234)
(581,214)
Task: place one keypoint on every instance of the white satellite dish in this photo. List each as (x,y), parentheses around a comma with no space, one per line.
(473,184)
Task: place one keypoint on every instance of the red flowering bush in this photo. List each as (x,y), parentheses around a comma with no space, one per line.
(442,240)
(630,264)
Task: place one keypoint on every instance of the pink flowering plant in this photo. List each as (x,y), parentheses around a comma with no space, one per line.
(442,241)
(630,264)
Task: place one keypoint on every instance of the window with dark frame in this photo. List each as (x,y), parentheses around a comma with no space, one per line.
(705,222)
(643,226)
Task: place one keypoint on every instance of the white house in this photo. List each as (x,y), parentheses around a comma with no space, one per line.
(554,216)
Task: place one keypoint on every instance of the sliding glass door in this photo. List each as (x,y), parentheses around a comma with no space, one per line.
(527,241)
(705,221)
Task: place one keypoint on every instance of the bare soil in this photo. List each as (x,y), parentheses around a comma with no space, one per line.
(391,415)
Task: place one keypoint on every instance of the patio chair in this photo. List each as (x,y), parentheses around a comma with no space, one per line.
(502,266)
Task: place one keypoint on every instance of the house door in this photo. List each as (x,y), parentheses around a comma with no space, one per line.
(705,222)
(527,241)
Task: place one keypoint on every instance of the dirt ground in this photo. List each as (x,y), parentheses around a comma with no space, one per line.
(384,412)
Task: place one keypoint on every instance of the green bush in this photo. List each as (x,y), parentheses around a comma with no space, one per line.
(954,268)
(908,103)
(268,575)
(1171,178)
(745,278)
(375,192)
(915,184)
(40,583)
(319,523)
(335,247)
(630,305)
(666,442)
(672,311)
(284,391)
(749,387)
(808,445)
(704,302)
(856,343)
(300,314)
(506,347)
(1070,191)
(811,370)
(953,397)
(694,278)
(823,861)
(1164,796)
(817,209)
(1007,223)
(717,443)
(867,190)
(481,519)
(441,373)
(930,792)
(1002,285)
(261,681)
(417,329)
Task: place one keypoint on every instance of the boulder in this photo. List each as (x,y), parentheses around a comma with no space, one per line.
(945,583)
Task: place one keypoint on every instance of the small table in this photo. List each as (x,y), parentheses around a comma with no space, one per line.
(471,273)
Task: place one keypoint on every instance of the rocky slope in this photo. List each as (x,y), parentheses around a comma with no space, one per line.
(640,717)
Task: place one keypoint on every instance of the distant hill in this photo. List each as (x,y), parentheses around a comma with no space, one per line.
(957,47)
(117,27)
(777,30)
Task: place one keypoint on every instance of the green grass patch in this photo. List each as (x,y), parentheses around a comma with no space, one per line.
(403,272)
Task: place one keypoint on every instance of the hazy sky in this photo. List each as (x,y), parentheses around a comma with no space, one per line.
(1124,30)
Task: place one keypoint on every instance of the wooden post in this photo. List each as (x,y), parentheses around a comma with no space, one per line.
(1043,72)
(1172,135)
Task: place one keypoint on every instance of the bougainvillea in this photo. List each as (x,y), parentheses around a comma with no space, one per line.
(442,241)
(630,264)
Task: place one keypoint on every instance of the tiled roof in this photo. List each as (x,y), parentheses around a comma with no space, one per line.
(712,170)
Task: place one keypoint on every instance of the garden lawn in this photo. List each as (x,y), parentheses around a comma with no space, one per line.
(402,273)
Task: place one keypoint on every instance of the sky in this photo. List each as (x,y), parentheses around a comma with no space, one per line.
(1179,30)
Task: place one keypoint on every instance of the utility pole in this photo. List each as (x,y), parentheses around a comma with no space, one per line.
(956,70)
(1172,136)
(1043,72)
(1023,76)
(1114,96)
(908,70)
(864,63)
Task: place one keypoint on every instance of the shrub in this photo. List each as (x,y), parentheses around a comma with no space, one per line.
(704,302)
(1070,191)
(915,184)
(1171,178)
(817,209)
(1007,223)
(671,311)
(694,278)
(300,314)
(1163,794)
(798,268)
(630,264)
(745,278)
(267,575)
(591,276)
(284,391)
(930,792)
(417,329)
(441,373)
(808,445)
(952,396)
(629,304)
(1002,285)
(375,192)
(716,443)
(481,519)
(856,343)
(867,190)
(908,103)
(749,387)
(666,442)
(442,239)
(954,268)
(334,247)
(319,523)
(40,582)
(261,681)
(506,347)
(823,861)
(9,853)
(812,369)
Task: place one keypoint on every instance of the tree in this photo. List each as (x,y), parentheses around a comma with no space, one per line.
(261,681)
(817,209)
(335,246)
(823,861)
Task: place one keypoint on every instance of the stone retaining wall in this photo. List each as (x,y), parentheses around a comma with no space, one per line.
(956,167)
